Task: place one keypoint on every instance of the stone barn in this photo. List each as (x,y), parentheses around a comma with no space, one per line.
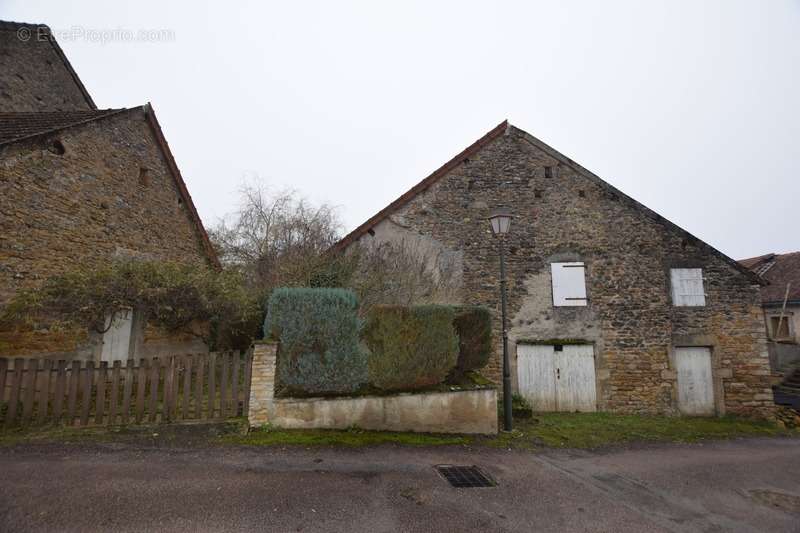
(611,306)
(83,186)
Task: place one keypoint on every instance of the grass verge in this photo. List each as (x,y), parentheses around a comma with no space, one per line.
(545,430)
(594,430)
(270,436)
(542,431)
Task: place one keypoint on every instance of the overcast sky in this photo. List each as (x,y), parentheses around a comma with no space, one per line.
(692,108)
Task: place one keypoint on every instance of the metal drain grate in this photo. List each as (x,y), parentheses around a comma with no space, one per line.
(465,477)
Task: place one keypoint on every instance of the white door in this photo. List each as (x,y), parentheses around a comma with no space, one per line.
(575,383)
(695,381)
(555,378)
(117,338)
(536,375)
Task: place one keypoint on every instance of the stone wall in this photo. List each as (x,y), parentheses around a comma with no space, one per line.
(109,195)
(33,75)
(466,411)
(563,213)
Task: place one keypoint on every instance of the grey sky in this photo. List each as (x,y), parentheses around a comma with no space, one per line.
(690,107)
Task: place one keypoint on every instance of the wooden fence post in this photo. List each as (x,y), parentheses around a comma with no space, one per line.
(169,374)
(199,388)
(60,390)
(16,384)
(3,372)
(141,389)
(100,402)
(248,376)
(212,396)
(86,395)
(44,393)
(31,371)
(187,386)
(127,389)
(154,386)
(235,382)
(72,396)
(112,407)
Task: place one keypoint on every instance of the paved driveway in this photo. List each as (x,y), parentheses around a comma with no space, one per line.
(746,485)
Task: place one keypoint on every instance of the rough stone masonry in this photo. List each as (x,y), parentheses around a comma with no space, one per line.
(566,213)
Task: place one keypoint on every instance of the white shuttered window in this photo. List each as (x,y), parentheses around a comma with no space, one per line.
(569,284)
(687,287)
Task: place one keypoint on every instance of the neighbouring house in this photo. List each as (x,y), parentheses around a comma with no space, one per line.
(82,186)
(781,302)
(611,306)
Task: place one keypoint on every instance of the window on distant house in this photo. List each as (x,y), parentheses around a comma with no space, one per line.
(569,284)
(779,328)
(687,287)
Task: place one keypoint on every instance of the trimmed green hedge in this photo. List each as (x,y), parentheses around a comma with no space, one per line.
(473,326)
(410,347)
(318,332)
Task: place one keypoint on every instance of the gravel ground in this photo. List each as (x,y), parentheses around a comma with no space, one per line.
(742,485)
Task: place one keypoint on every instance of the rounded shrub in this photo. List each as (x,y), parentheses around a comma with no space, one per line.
(318,332)
(410,347)
(473,325)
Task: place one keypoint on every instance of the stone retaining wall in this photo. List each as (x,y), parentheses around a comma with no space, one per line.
(466,411)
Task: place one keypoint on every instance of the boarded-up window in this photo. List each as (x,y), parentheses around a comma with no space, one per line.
(779,327)
(569,284)
(687,287)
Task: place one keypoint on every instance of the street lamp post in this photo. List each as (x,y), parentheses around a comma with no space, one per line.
(500,219)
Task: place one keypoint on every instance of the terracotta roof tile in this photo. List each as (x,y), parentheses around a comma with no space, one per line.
(17,126)
(779,270)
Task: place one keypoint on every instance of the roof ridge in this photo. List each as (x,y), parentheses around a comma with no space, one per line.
(503,128)
(637,204)
(183,190)
(422,185)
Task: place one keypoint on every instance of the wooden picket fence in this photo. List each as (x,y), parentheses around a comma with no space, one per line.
(178,388)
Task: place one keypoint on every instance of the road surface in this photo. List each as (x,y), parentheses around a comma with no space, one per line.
(742,485)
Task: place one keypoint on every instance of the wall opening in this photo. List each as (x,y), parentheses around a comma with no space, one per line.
(144,176)
(56,147)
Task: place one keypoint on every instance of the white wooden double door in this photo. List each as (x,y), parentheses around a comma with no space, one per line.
(557,378)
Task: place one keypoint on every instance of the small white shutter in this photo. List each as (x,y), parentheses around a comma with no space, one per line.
(569,284)
(687,287)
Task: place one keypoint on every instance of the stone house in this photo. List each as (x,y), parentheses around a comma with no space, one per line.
(611,306)
(781,302)
(82,186)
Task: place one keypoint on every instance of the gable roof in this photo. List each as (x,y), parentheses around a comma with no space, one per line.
(440,172)
(504,128)
(42,33)
(779,270)
(18,127)
(184,191)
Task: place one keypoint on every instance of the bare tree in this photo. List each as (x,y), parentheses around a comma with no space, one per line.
(280,240)
(276,239)
(405,273)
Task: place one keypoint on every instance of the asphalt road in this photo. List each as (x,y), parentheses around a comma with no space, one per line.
(744,485)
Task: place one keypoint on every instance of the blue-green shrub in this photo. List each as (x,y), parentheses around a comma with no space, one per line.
(318,331)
